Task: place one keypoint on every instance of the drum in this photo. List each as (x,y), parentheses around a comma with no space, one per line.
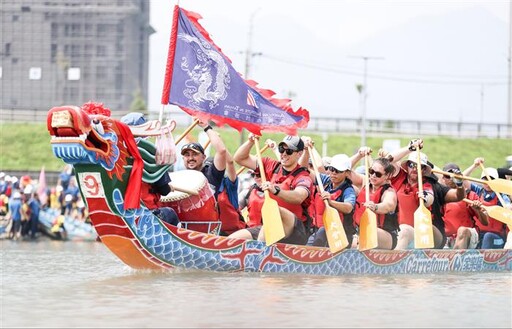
(196,212)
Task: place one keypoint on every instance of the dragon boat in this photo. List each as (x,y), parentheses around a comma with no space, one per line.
(111,173)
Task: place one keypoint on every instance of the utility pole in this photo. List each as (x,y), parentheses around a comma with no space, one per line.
(364,89)
(248,56)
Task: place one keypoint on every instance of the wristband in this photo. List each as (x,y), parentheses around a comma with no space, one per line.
(208,127)
(278,189)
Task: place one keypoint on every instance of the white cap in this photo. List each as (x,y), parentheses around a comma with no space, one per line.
(2,174)
(341,162)
(326,161)
(413,157)
(491,172)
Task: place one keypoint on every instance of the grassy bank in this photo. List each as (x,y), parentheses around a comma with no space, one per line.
(27,147)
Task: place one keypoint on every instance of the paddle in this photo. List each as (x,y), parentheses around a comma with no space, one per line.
(272,223)
(334,229)
(316,158)
(497,185)
(499,213)
(423,231)
(241,169)
(506,214)
(245,214)
(196,121)
(368,237)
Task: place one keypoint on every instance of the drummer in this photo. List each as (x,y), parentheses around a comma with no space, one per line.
(194,158)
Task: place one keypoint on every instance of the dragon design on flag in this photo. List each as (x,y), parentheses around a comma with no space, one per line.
(201,86)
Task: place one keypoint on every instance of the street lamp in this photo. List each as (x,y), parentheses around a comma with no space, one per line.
(248,55)
(364,89)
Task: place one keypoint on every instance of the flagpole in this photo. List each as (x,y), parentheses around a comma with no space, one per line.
(248,55)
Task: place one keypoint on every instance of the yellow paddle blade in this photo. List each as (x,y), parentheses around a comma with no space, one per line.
(245,214)
(499,213)
(334,229)
(501,185)
(368,238)
(272,223)
(423,231)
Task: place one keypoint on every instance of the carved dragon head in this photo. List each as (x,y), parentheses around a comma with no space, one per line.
(87,135)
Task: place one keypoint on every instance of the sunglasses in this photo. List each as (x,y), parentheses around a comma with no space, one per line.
(413,165)
(334,170)
(376,173)
(282,150)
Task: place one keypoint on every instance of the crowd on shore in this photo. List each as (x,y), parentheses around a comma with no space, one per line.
(22,199)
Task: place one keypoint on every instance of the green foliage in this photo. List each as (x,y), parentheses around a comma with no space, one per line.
(138,104)
(26,146)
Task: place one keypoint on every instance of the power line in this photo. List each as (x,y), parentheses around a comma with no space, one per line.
(355,72)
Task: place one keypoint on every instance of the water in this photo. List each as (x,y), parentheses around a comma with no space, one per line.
(81,284)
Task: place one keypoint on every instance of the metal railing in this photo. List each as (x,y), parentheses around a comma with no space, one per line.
(387,127)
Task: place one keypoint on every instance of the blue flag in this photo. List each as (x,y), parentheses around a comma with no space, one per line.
(202,82)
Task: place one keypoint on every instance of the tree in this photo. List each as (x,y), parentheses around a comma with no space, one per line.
(138,103)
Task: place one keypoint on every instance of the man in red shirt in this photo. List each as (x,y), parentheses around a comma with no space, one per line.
(287,182)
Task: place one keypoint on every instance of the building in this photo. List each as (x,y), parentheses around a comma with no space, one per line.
(73,51)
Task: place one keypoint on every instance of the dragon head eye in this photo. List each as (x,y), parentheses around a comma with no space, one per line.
(96,125)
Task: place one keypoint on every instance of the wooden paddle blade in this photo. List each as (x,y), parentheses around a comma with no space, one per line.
(368,238)
(334,229)
(501,185)
(423,231)
(272,224)
(499,213)
(245,214)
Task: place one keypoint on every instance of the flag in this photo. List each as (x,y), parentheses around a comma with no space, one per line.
(200,79)
(251,100)
(41,188)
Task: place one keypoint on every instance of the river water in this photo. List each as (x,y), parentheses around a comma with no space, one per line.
(54,284)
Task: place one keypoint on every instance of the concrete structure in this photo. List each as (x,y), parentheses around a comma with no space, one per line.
(73,51)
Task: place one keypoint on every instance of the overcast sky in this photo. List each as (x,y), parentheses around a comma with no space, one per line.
(443,60)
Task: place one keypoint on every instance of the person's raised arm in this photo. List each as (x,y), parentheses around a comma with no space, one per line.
(476,164)
(230,167)
(219,160)
(304,158)
(243,155)
(357,178)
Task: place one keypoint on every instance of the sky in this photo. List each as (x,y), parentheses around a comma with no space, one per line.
(425,60)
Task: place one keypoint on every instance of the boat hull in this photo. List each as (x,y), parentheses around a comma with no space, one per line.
(147,243)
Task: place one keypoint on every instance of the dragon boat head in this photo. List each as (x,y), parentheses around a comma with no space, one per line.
(80,135)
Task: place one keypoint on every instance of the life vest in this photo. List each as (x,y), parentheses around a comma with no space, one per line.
(348,219)
(254,204)
(457,214)
(494,225)
(387,222)
(286,182)
(231,218)
(151,200)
